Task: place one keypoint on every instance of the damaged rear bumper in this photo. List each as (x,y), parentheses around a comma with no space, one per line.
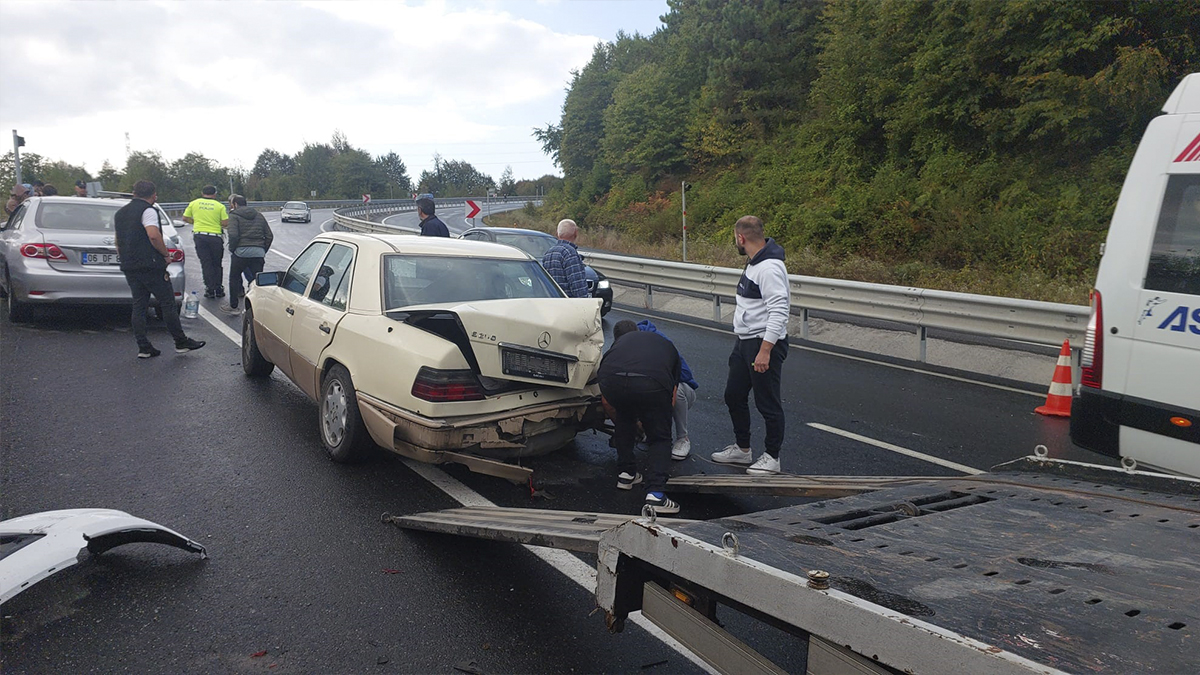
(481,442)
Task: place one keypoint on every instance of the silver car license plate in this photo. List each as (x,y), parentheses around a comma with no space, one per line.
(101,259)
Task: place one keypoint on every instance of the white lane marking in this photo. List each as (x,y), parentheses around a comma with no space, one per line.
(863,359)
(281,254)
(897,449)
(563,561)
(324,224)
(220,325)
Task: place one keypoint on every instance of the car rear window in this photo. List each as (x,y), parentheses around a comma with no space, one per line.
(90,216)
(432,280)
(1175,257)
(530,243)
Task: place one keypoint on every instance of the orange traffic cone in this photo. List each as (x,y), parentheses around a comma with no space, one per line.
(1058,401)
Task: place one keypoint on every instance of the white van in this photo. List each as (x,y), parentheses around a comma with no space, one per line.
(1139,395)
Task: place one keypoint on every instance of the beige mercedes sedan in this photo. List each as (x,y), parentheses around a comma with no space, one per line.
(440,350)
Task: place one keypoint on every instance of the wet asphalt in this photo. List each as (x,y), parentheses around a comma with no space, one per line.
(303,577)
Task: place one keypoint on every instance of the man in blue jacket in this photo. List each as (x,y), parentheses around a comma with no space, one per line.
(685,396)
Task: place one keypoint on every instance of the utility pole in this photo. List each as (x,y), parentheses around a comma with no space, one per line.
(230,185)
(686,187)
(17,143)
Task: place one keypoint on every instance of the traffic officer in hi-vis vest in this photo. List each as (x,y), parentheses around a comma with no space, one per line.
(208,218)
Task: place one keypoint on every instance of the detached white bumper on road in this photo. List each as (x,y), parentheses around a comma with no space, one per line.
(35,546)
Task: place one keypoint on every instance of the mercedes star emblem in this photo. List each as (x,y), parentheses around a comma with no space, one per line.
(544,340)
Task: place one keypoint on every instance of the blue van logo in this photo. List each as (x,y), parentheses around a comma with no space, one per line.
(1148,310)
(1178,320)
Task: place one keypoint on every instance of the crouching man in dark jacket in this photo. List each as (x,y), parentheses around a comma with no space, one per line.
(250,238)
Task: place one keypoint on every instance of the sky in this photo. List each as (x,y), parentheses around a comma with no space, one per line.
(466,79)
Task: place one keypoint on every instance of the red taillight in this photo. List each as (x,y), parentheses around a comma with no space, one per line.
(43,251)
(175,254)
(1091,362)
(441,386)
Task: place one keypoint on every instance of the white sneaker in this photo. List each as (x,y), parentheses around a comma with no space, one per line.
(765,466)
(626,481)
(732,454)
(681,448)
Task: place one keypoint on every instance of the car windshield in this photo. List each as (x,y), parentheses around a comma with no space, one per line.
(85,215)
(432,280)
(295,205)
(532,244)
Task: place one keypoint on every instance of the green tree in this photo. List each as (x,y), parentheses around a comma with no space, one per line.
(508,185)
(396,172)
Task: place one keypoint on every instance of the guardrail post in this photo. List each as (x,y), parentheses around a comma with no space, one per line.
(804,323)
(649,297)
(921,335)
(717,308)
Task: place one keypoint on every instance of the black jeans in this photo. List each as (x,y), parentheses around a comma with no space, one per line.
(237,266)
(742,380)
(635,399)
(143,283)
(210,249)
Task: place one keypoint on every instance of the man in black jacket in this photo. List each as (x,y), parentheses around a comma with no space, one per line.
(431,225)
(637,378)
(144,259)
(250,238)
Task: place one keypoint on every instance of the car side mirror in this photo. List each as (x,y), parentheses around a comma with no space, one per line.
(268,278)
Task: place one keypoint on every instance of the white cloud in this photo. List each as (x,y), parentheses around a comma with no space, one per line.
(230,78)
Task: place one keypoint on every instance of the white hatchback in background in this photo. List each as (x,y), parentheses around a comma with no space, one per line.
(1140,392)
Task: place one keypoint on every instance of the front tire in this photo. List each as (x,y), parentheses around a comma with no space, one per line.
(254,363)
(342,430)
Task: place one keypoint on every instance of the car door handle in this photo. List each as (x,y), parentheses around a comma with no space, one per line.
(324,327)
(289,310)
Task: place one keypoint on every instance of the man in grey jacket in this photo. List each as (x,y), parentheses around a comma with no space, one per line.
(760,323)
(250,238)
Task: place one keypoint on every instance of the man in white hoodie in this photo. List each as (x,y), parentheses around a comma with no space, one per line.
(760,323)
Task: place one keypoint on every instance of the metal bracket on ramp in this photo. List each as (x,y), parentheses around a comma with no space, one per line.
(569,530)
(786,485)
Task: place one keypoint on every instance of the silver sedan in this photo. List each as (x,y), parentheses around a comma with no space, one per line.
(61,250)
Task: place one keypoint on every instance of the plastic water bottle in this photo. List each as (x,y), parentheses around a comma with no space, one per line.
(191,307)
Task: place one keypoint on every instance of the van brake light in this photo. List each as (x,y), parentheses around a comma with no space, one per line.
(1091,362)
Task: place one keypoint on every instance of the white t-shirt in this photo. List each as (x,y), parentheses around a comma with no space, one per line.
(150,218)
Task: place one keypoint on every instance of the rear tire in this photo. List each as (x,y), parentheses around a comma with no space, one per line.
(254,363)
(17,311)
(342,430)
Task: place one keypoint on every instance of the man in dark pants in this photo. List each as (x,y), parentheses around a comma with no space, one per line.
(637,377)
(760,323)
(250,238)
(208,219)
(431,225)
(144,259)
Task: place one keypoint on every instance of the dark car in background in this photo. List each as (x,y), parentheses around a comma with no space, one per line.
(536,244)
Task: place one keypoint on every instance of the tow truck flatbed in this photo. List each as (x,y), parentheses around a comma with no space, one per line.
(1041,567)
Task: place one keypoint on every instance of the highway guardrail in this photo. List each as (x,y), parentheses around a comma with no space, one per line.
(1028,321)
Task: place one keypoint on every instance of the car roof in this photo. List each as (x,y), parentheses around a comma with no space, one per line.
(510,230)
(72,199)
(411,244)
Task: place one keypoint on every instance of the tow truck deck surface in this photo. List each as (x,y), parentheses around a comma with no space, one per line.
(1041,567)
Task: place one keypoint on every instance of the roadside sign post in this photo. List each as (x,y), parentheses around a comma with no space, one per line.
(472,211)
(686,187)
(17,143)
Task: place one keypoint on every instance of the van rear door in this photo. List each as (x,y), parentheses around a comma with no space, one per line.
(1164,363)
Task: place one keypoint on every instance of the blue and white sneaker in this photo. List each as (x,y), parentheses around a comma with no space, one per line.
(662,504)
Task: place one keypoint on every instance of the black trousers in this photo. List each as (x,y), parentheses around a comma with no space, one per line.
(211,250)
(742,380)
(238,266)
(640,399)
(143,284)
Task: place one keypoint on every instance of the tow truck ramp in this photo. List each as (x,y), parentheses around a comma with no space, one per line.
(1040,567)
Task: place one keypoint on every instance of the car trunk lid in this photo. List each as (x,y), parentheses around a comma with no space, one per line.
(550,341)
